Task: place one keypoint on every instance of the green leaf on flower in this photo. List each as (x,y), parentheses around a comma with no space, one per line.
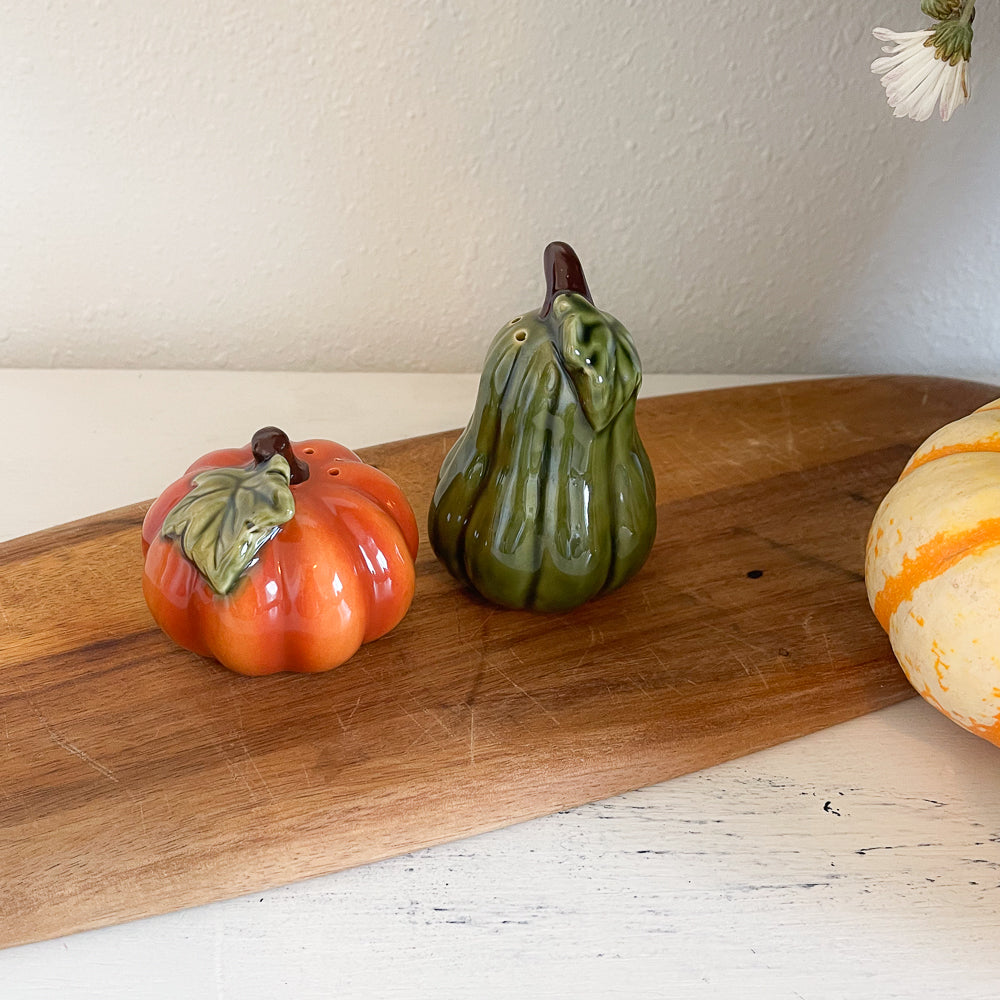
(229,516)
(952,42)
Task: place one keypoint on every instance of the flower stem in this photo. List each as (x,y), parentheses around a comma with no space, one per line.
(967,11)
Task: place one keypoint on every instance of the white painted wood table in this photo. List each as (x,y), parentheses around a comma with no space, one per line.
(861,862)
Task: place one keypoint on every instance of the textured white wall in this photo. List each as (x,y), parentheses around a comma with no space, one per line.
(340,184)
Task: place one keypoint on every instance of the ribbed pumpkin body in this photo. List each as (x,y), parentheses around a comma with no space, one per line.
(933,570)
(547,499)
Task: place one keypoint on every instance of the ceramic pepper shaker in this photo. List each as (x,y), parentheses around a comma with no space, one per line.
(548,499)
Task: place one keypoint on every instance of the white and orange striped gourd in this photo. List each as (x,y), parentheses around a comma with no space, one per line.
(932,569)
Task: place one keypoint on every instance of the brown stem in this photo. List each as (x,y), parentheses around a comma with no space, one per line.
(563,273)
(270,441)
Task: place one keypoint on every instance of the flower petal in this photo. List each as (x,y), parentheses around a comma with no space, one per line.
(899,86)
(923,99)
(885,35)
(911,101)
(956,92)
(903,79)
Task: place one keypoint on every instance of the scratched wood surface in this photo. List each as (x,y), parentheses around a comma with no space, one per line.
(136,778)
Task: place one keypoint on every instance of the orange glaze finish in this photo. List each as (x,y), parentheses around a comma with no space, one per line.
(338,574)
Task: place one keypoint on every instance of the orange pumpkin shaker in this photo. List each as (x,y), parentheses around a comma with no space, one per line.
(279,556)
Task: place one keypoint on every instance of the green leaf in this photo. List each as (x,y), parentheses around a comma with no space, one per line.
(952,41)
(229,516)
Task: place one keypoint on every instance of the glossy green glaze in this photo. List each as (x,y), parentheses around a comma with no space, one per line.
(547,499)
(228,516)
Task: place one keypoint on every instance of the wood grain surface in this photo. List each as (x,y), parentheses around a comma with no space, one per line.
(136,778)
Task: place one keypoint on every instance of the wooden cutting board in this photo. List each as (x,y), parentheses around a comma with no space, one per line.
(136,778)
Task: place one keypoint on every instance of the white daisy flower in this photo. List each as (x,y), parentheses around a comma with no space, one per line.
(923,67)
